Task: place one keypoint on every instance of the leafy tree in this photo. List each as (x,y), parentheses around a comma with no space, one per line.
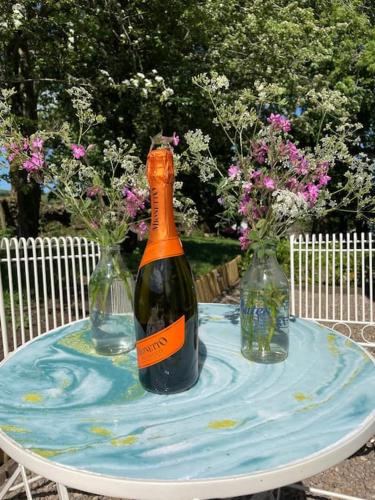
(138,57)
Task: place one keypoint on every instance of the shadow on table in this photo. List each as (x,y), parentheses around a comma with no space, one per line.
(202,355)
(233,316)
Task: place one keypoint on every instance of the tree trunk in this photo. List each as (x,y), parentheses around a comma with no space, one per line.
(28,206)
(24,106)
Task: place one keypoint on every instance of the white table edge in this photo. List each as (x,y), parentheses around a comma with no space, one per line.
(189,489)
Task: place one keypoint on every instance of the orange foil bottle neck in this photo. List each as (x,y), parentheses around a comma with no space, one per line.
(163,239)
(160,175)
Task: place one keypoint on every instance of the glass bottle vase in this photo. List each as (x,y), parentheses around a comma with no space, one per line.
(111,291)
(264,291)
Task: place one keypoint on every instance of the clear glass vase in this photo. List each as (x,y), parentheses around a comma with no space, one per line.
(265,308)
(111,291)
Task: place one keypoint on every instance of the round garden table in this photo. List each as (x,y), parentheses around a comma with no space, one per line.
(84,421)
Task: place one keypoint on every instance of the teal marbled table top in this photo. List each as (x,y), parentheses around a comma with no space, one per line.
(61,401)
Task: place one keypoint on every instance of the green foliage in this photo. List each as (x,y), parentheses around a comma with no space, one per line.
(138,58)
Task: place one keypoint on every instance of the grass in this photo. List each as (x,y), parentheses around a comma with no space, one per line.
(204,253)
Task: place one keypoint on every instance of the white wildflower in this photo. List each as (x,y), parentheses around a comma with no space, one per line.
(288,204)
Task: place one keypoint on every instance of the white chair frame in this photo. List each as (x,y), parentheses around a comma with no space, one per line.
(47,286)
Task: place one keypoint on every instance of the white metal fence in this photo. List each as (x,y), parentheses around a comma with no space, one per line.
(43,284)
(332,281)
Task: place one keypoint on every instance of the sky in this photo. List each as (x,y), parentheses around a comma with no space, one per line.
(3,170)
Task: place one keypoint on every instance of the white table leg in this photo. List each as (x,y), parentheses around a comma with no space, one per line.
(26,483)
(10,482)
(62,492)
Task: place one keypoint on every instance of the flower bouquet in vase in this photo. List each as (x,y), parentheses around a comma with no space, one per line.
(106,191)
(272,184)
(277,184)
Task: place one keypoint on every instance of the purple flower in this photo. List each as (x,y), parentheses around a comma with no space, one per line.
(247,187)
(269,183)
(175,139)
(292,184)
(78,151)
(323,180)
(33,164)
(311,193)
(244,239)
(323,168)
(302,166)
(234,172)
(243,208)
(279,122)
(15,150)
(94,191)
(260,150)
(12,156)
(256,174)
(141,230)
(25,145)
(220,201)
(37,143)
(134,202)
(294,152)
(256,213)
(284,148)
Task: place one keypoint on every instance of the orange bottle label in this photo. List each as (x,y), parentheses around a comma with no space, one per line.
(161,345)
(161,249)
(163,241)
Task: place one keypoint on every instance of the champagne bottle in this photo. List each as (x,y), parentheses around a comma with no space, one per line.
(165,304)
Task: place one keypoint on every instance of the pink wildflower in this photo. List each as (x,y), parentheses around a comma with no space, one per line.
(141,230)
(323,180)
(294,152)
(269,183)
(311,193)
(15,150)
(244,206)
(322,168)
(302,167)
(292,184)
(279,122)
(247,187)
(234,172)
(94,191)
(95,225)
(134,202)
(78,151)
(244,239)
(283,149)
(220,201)
(260,150)
(175,139)
(33,164)
(256,174)
(12,156)
(37,143)
(256,214)
(25,145)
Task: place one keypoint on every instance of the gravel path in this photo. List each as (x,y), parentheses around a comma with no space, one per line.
(354,476)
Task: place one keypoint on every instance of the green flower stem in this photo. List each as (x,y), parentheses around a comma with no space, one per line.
(272,329)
